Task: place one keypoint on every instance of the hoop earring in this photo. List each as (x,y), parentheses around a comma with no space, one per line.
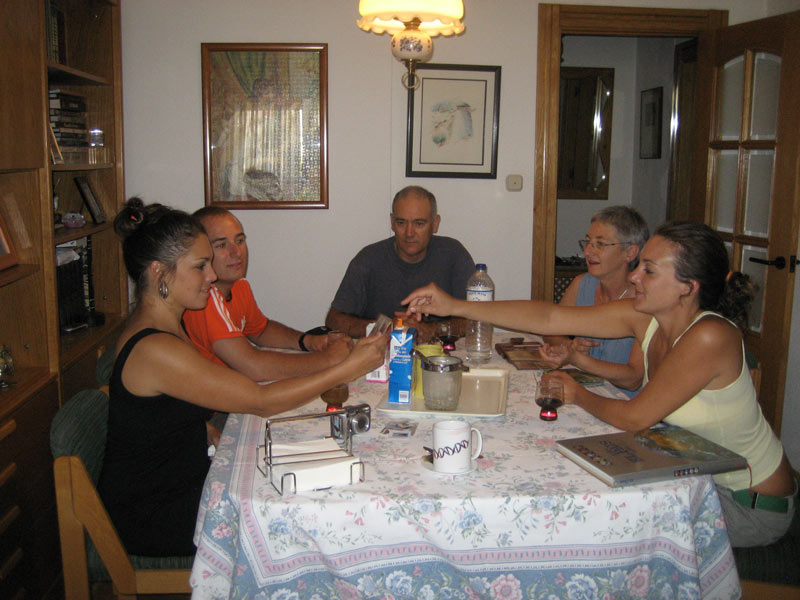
(163,290)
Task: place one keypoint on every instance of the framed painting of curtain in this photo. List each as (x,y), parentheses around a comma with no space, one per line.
(265,130)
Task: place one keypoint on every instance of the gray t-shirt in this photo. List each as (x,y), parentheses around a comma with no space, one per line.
(377,279)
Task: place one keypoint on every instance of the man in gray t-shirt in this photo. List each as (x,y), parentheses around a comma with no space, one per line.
(384,273)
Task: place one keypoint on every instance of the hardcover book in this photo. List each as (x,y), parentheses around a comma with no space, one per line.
(656,454)
(582,377)
(523,355)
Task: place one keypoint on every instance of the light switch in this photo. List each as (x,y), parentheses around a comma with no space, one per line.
(514,183)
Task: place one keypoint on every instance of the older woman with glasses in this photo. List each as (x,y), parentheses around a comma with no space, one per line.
(611,248)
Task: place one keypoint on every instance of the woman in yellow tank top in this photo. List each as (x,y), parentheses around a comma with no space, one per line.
(687,315)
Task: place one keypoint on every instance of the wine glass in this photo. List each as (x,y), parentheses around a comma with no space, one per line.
(446,332)
(549,396)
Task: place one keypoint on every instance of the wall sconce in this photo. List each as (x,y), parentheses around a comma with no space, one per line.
(412,23)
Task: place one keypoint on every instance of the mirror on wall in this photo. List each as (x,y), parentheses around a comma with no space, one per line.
(584,132)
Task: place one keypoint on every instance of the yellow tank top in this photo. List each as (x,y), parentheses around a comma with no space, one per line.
(730,417)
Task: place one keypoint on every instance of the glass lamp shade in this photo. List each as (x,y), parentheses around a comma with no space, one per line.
(390,16)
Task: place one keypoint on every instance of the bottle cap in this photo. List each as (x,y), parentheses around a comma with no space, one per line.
(480,266)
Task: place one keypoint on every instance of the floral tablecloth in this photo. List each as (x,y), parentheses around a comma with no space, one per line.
(527,523)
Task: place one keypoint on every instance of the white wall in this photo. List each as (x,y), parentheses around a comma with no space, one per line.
(299,256)
(654,68)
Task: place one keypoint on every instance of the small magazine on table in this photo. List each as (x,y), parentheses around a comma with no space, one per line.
(663,452)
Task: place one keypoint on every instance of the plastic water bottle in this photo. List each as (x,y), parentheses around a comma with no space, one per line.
(480,288)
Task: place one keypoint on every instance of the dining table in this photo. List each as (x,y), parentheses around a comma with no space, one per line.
(525,523)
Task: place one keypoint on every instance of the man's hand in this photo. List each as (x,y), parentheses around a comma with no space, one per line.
(337,350)
(318,343)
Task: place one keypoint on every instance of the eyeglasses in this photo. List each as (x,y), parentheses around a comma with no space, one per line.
(598,245)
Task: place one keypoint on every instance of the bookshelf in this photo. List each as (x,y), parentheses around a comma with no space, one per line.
(51,365)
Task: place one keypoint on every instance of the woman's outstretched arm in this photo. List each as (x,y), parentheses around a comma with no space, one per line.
(611,320)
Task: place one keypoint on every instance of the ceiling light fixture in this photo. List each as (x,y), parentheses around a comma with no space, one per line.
(412,23)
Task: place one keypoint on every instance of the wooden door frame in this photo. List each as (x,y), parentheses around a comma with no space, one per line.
(716,48)
(556,20)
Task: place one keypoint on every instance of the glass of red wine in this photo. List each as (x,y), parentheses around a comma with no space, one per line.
(549,396)
(446,333)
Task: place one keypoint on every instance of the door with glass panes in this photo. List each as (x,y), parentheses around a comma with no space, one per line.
(746,173)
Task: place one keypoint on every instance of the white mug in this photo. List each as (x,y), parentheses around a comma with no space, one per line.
(453,446)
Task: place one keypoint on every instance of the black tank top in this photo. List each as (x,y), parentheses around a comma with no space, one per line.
(155,464)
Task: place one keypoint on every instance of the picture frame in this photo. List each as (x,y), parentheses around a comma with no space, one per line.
(90,200)
(265,125)
(453,121)
(8,256)
(650,123)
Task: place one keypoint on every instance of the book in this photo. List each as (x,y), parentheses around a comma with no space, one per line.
(90,199)
(582,377)
(71,103)
(656,454)
(523,355)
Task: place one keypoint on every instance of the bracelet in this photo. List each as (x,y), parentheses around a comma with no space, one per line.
(300,342)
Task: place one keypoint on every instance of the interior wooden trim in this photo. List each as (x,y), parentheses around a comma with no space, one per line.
(554,21)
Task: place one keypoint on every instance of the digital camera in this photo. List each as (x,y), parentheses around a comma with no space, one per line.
(349,420)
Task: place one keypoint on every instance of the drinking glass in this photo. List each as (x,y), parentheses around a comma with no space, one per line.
(549,396)
(446,332)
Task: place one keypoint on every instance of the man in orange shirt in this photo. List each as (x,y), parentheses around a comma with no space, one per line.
(231,323)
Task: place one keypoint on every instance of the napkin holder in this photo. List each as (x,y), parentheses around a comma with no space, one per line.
(315,464)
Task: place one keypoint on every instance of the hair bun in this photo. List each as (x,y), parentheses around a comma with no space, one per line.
(130,218)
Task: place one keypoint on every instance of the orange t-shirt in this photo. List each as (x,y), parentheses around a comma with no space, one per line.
(221,319)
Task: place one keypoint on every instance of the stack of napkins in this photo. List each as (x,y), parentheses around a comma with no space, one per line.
(316,464)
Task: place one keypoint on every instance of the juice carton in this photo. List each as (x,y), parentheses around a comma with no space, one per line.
(400,344)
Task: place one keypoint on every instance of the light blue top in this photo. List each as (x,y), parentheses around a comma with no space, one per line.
(610,350)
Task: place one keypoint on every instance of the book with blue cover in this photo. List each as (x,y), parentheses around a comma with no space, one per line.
(656,454)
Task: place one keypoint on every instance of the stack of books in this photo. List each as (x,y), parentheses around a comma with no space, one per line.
(68,120)
(56,34)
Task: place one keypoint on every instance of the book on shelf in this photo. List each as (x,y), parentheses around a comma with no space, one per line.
(656,454)
(56,33)
(71,103)
(71,139)
(72,311)
(90,199)
(66,129)
(65,116)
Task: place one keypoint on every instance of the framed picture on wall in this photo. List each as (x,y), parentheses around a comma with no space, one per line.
(265,125)
(650,123)
(453,122)
(8,257)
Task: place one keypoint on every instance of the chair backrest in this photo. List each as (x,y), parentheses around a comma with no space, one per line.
(77,440)
(79,428)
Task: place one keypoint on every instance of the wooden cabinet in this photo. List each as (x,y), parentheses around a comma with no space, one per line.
(50,365)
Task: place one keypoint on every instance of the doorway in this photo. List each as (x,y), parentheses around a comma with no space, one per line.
(640,67)
(556,21)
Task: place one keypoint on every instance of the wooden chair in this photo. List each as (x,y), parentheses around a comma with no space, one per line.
(77,440)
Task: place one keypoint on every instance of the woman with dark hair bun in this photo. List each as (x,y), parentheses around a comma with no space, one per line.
(162,390)
(695,375)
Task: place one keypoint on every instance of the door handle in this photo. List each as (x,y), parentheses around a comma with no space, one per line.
(778,262)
